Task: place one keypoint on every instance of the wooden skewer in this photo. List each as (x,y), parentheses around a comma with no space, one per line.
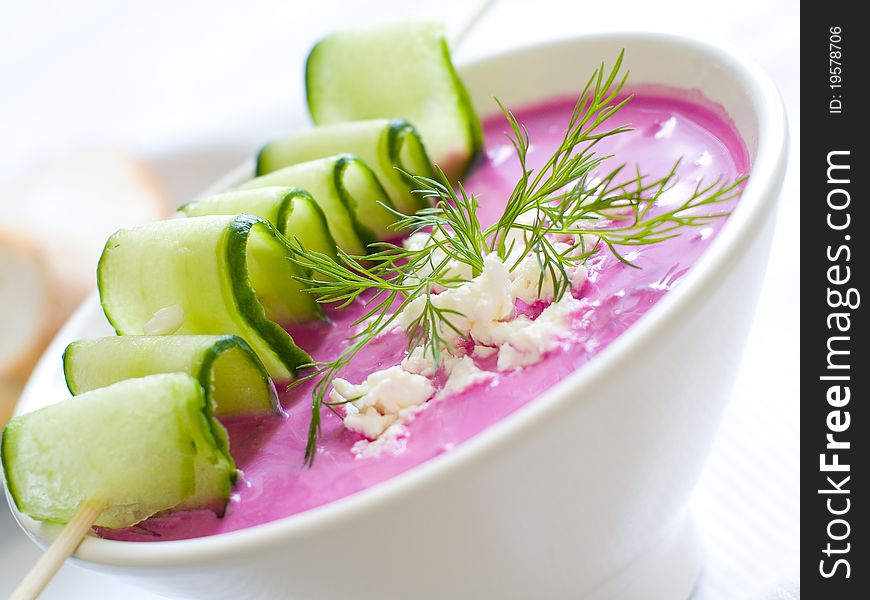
(61,549)
(481,9)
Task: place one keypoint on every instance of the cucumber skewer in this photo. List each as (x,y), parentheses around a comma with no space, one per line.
(397,70)
(348,192)
(388,146)
(142,446)
(291,210)
(225,274)
(234,379)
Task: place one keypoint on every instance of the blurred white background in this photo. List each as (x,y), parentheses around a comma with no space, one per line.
(194,88)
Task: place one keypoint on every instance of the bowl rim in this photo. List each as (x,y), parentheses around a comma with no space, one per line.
(759,196)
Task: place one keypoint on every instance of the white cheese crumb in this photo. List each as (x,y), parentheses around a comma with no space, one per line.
(420,362)
(511,359)
(484,351)
(416,241)
(379,407)
(370,423)
(392,440)
(454,268)
(381,400)
(527,278)
(578,277)
(586,242)
(523,342)
(462,374)
(484,299)
(516,239)
(389,390)
(165,321)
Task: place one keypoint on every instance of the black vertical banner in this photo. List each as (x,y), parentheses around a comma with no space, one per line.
(835,560)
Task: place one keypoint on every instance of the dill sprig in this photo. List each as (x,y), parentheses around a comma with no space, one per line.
(617,216)
(572,160)
(563,197)
(390,280)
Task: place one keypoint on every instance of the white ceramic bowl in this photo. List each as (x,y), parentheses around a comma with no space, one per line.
(582,493)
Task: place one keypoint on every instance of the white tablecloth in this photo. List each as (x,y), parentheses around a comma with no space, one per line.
(196,87)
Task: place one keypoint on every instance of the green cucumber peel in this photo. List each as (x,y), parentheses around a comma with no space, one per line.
(388,146)
(229,274)
(144,446)
(397,70)
(293,212)
(349,193)
(233,377)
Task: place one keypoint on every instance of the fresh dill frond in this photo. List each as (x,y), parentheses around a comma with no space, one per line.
(572,160)
(387,281)
(638,223)
(565,197)
(625,214)
(452,220)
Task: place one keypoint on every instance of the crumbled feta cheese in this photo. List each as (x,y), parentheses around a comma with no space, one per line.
(369,423)
(382,399)
(524,341)
(416,241)
(484,299)
(516,239)
(454,268)
(578,277)
(489,298)
(529,285)
(389,390)
(462,374)
(528,280)
(165,321)
(480,310)
(420,362)
(511,359)
(488,315)
(392,440)
(483,351)
(586,243)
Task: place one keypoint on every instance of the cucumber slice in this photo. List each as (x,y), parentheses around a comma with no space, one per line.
(233,378)
(228,274)
(384,145)
(398,70)
(348,192)
(143,445)
(291,210)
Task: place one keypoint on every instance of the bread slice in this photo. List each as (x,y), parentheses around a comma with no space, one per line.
(71,205)
(54,221)
(31,304)
(9,393)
